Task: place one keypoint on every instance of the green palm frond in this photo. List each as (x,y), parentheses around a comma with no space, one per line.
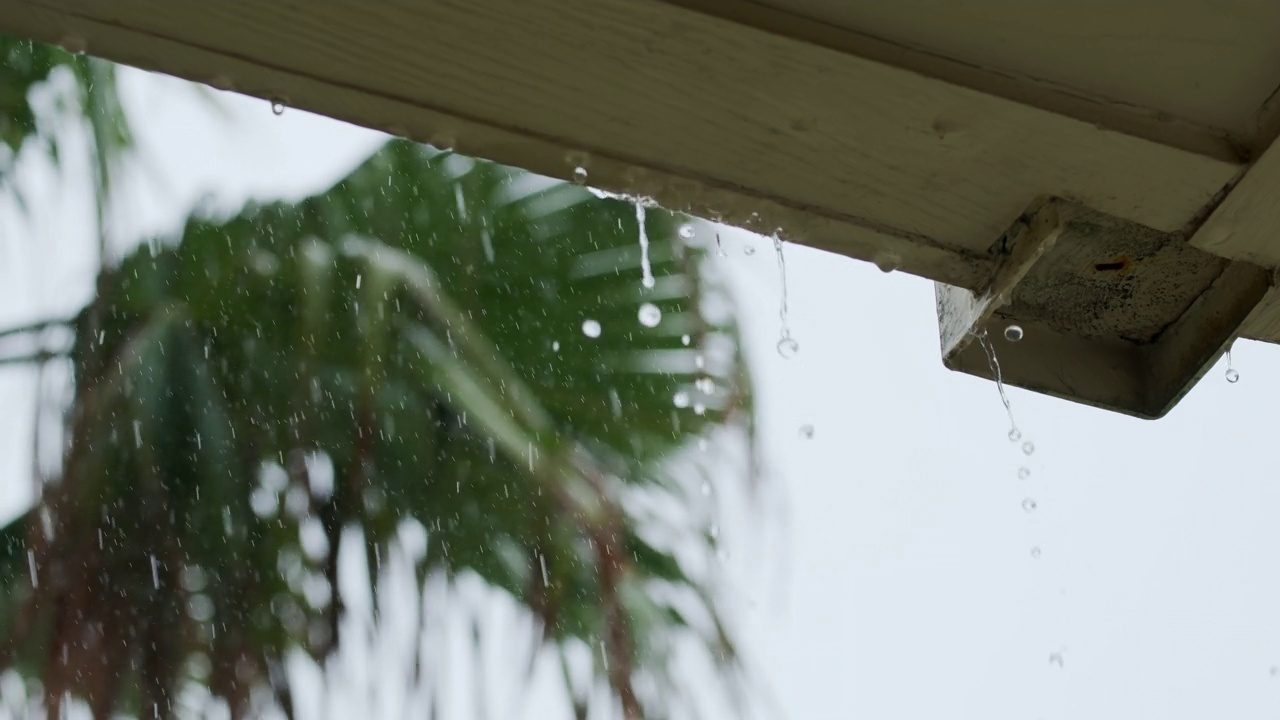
(89,96)
(407,348)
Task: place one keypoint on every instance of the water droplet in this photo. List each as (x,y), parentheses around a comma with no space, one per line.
(1024,472)
(1013,333)
(1028,447)
(685,339)
(73,44)
(699,409)
(580,175)
(686,231)
(1029,505)
(1056,659)
(749,249)
(277,106)
(555,346)
(1233,375)
(222,82)
(1035,552)
(806,432)
(681,399)
(788,347)
(886,261)
(1015,434)
(650,315)
(591,328)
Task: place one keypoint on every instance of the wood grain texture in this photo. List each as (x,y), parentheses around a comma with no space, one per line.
(1264,322)
(1246,225)
(848,30)
(1210,62)
(701,113)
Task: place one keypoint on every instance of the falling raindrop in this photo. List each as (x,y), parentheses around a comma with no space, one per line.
(277,106)
(1028,447)
(788,347)
(359,278)
(31,565)
(1015,434)
(1056,659)
(1035,552)
(1013,333)
(1275,671)
(650,315)
(546,577)
(1233,375)
(685,339)
(555,346)
(580,175)
(749,250)
(806,432)
(1024,472)
(706,488)
(700,361)
(155,572)
(646,271)
(681,399)
(699,409)
(591,328)
(1029,505)
(137,433)
(705,385)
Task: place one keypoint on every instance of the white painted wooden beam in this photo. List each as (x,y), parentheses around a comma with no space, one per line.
(698,109)
(1246,225)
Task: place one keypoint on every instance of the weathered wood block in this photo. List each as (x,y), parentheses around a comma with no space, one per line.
(1111,313)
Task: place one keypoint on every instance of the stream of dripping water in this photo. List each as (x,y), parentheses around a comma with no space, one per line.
(994,363)
(787,346)
(1029,504)
(646,271)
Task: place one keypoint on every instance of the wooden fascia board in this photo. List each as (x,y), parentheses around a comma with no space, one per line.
(700,112)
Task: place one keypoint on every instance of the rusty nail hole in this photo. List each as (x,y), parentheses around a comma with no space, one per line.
(1114,266)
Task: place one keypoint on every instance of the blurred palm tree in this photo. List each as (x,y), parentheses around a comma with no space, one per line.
(436,347)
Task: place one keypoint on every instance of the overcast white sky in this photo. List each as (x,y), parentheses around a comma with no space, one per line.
(898,579)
